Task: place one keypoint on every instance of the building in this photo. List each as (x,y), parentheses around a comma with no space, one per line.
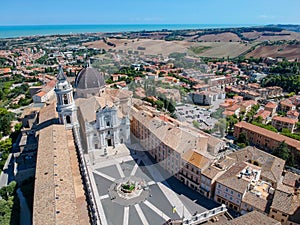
(206,97)
(264,138)
(251,218)
(230,187)
(286,205)
(104,121)
(257,76)
(271,107)
(103,113)
(286,105)
(264,114)
(211,173)
(59,196)
(233,110)
(271,166)
(295,100)
(45,93)
(192,164)
(247,105)
(293,114)
(179,150)
(280,122)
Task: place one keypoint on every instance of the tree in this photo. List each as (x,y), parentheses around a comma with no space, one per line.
(9,190)
(259,119)
(231,120)
(283,152)
(242,140)
(222,125)
(159,103)
(5,119)
(196,124)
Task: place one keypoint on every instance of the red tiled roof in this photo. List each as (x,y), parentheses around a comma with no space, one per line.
(264,114)
(293,113)
(271,105)
(41,94)
(284,119)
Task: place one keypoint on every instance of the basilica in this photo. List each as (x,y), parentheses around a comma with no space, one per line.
(101,114)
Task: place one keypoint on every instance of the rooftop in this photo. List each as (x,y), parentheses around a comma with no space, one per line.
(253,199)
(231,180)
(285,119)
(271,105)
(291,179)
(288,202)
(89,78)
(263,113)
(195,159)
(48,113)
(271,166)
(251,218)
(178,138)
(59,197)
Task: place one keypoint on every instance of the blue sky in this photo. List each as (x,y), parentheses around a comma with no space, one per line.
(40,12)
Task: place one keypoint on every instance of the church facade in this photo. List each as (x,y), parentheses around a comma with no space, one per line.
(101,114)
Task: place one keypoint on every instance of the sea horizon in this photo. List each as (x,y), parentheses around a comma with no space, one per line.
(15,31)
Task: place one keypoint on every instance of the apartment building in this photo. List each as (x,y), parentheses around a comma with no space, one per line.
(211,173)
(246,105)
(271,107)
(191,166)
(206,97)
(286,205)
(294,114)
(264,114)
(179,150)
(230,188)
(265,139)
(286,105)
(280,122)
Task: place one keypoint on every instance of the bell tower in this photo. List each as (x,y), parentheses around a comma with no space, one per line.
(65,106)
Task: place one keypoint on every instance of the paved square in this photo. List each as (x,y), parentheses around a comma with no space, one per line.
(155,196)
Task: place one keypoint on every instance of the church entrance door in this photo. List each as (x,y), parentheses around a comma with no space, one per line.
(68,119)
(109,142)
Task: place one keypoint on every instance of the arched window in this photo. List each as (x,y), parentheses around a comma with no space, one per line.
(65,99)
(68,119)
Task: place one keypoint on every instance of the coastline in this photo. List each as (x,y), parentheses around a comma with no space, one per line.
(44,30)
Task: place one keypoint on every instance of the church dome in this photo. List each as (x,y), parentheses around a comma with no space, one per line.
(89,78)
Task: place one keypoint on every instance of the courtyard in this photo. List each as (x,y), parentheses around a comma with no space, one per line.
(151,196)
